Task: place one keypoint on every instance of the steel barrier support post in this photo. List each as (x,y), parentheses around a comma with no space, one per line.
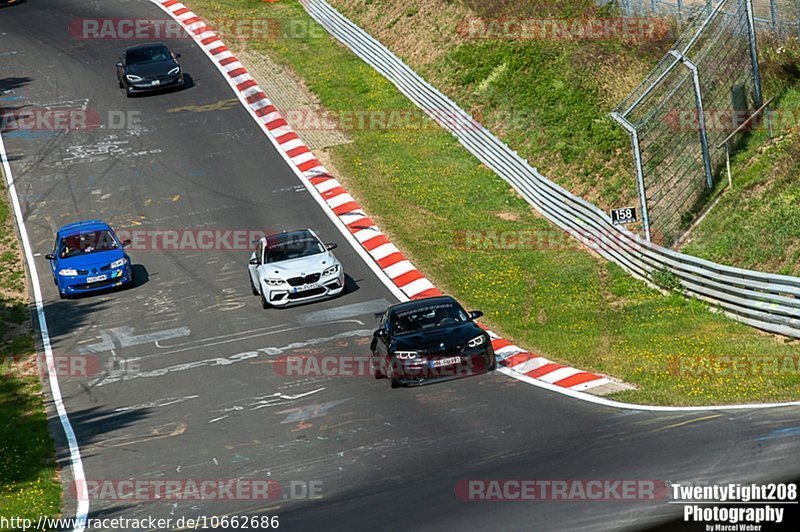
(751,31)
(701,117)
(637,157)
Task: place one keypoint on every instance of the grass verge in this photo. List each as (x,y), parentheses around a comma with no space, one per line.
(29,483)
(425,191)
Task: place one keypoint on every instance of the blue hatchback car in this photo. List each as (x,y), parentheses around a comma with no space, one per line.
(87,256)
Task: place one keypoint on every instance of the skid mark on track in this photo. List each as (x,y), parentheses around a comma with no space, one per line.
(168,430)
(125,337)
(264,401)
(168,401)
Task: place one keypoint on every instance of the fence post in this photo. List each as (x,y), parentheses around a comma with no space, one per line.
(773,13)
(701,117)
(751,31)
(637,157)
(680,10)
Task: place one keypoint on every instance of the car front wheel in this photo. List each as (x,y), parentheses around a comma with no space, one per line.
(252,286)
(492,362)
(394,382)
(264,302)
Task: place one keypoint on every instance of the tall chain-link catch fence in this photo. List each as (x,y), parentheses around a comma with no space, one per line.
(782,16)
(696,96)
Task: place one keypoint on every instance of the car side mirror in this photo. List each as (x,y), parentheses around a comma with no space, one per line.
(331,245)
(253,262)
(475,314)
(126,243)
(50,256)
(177,56)
(119,64)
(380,333)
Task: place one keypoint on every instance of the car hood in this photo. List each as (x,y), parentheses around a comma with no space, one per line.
(302,266)
(151,69)
(434,338)
(87,261)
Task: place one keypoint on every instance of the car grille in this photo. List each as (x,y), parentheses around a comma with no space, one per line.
(308,279)
(82,272)
(449,351)
(99,284)
(307,293)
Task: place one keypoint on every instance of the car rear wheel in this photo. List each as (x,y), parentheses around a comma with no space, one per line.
(376,370)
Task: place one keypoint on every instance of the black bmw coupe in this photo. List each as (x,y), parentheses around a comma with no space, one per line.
(148,67)
(430,338)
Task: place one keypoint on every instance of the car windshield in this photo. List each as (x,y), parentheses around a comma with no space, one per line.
(293,248)
(153,54)
(87,242)
(428,317)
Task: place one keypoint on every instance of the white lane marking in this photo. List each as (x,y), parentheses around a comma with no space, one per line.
(76,463)
(225,361)
(157,403)
(630,406)
(124,337)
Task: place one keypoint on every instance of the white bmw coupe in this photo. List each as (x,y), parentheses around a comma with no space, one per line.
(294,267)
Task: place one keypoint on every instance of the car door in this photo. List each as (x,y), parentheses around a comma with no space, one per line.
(54,261)
(256,259)
(381,342)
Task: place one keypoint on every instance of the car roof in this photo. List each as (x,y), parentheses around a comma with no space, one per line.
(146,46)
(86,224)
(287,236)
(410,305)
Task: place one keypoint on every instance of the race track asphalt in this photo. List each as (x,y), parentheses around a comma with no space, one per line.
(199,397)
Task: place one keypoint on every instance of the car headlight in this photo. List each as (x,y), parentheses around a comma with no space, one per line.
(406,355)
(478,340)
(273,282)
(68,272)
(174,71)
(131,77)
(118,263)
(330,271)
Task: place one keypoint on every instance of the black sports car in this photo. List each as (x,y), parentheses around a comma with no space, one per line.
(148,67)
(429,339)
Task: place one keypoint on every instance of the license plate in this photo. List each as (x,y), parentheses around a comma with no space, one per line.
(305,287)
(155,82)
(445,362)
(96,278)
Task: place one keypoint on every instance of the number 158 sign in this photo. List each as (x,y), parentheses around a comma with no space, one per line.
(623,216)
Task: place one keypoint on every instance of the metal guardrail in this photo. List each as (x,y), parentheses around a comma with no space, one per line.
(766,301)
